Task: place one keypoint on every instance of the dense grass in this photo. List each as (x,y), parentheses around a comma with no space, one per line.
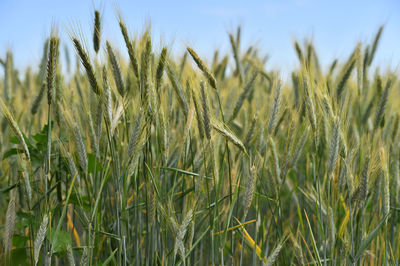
(176,160)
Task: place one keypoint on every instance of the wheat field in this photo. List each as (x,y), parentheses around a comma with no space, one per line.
(172,159)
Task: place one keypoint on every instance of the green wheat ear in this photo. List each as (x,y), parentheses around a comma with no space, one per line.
(273,117)
(246,91)
(15,128)
(380,111)
(87,65)
(206,111)
(203,67)
(130,47)
(116,69)
(375,44)
(96,31)
(51,67)
(235,50)
(161,67)
(346,75)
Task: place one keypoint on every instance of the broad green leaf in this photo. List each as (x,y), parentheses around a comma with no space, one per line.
(60,240)
(12,152)
(93,164)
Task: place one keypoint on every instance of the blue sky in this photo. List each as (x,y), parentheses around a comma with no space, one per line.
(335,26)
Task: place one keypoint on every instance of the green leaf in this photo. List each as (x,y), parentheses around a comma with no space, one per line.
(14,140)
(12,152)
(7,189)
(82,201)
(40,138)
(111,257)
(93,163)
(45,129)
(365,242)
(19,256)
(60,240)
(25,219)
(183,172)
(19,240)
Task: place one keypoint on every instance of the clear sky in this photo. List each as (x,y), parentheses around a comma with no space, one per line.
(335,25)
